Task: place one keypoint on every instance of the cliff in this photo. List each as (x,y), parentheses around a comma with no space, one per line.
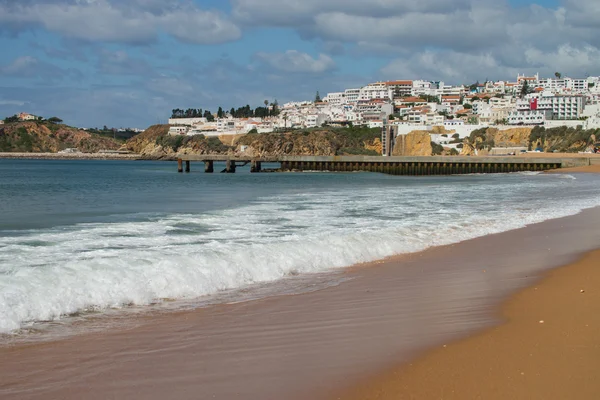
(563,139)
(155,143)
(49,137)
(415,143)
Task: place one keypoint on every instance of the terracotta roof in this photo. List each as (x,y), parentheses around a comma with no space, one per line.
(394,83)
(413,100)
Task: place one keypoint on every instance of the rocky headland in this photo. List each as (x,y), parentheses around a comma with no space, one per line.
(155,143)
(49,137)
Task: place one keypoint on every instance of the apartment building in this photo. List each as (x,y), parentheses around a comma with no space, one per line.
(531,117)
(336,99)
(379,90)
(400,88)
(352,95)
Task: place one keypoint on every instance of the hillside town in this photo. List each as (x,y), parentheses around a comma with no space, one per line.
(417,104)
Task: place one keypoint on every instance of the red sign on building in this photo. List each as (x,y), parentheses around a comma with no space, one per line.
(533,104)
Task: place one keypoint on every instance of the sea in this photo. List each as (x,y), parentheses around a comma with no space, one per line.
(83,240)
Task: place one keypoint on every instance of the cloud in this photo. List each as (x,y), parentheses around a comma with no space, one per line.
(136,22)
(460,67)
(120,63)
(295,61)
(30,67)
(453,40)
(297,13)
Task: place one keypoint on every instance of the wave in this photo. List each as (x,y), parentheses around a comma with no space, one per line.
(46,274)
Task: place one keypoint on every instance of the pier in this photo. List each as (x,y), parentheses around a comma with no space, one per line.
(435,165)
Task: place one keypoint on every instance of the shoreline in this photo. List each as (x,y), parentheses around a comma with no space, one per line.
(70,156)
(545,348)
(274,346)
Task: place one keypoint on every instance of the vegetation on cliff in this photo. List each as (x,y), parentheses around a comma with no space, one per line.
(156,143)
(563,139)
(48,136)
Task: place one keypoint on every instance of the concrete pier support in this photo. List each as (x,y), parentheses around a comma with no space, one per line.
(187,166)
(230,167)
(179,165)
(256,166)
(209,167)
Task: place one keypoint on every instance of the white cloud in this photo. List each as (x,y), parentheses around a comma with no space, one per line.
(295,61)
(294,12)
(138,21)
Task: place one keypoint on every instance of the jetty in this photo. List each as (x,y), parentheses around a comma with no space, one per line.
(433,165)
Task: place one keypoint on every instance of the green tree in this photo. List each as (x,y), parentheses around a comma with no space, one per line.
(220,113)
(558,75)
(317,97)
(208,115)
(525,89)
(55,120)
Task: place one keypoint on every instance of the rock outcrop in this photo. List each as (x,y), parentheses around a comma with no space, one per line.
(42,136)
(155,143)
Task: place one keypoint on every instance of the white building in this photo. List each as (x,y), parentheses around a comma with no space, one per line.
(374,109)
(336,99)
(315,120)
(187,121)
(532,117)
(178,130)
(561,107)
(352,95)
(27,117)
(379,90)
(400,88)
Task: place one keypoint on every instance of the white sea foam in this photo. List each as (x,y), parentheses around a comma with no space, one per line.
(51,273)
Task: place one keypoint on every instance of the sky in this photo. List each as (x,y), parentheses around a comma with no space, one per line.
(128,63)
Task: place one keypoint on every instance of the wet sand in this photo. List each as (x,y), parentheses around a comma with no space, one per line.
(547,349)
(303,346)
(595,169)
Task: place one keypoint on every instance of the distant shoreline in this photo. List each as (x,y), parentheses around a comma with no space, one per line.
(71,156)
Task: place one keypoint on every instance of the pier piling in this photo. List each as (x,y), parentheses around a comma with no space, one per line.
(230,166)
(414,166)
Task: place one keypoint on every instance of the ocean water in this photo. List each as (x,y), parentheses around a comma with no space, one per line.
(95,236)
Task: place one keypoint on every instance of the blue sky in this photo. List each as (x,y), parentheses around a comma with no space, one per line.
(127,63)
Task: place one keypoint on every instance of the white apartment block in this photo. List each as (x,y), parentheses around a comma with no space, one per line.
(379,90)
(187,121)
(400,88)
(376,108)
(535,117)
(564,84)
(561,107)
(336,99)
(315,120)
(448,90)
(352,95)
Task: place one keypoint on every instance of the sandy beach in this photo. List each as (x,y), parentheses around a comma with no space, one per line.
(301,346)
(547,349)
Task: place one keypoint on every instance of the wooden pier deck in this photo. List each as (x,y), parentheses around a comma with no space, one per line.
(435,165)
